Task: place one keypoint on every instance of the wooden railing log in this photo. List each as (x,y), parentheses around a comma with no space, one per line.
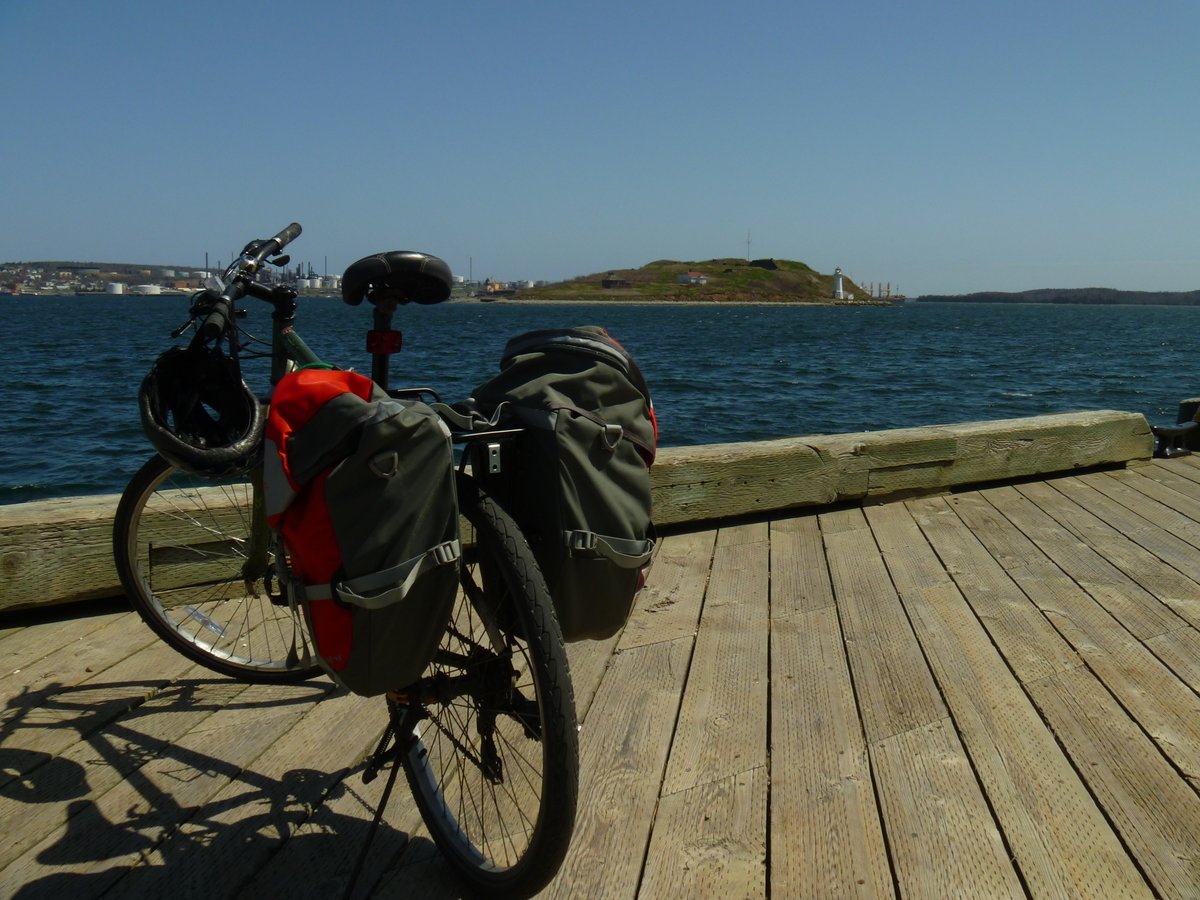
(59,551)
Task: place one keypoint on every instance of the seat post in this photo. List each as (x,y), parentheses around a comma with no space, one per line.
(382,341)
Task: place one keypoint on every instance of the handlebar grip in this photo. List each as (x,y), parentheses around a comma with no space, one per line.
(288,235)
(214,325)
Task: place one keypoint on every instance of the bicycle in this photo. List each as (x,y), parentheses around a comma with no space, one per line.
(201,567)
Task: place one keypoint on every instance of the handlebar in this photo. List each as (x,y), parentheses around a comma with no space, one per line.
(246,265)
(286,236)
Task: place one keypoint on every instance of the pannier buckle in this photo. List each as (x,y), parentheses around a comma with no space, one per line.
(445,553)
(581,541)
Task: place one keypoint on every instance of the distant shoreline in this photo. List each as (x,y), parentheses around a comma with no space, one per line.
(1068,296)
(644,301)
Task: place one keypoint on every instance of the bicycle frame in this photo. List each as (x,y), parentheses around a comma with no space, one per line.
(287,350)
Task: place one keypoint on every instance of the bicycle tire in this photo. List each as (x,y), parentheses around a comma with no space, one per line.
(178,544)
(503,816)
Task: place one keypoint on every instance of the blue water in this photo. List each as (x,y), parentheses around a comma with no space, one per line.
(69,425)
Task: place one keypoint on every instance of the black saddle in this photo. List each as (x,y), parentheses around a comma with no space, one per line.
(405,275)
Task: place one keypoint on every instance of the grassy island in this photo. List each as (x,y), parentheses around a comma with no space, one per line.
(715,281)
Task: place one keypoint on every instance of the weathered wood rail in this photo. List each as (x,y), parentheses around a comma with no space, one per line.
(60,550)
(990,693)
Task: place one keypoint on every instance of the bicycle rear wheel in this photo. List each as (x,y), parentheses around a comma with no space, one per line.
(493,754)
(179,543)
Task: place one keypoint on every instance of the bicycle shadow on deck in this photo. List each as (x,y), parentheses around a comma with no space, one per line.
(148,817)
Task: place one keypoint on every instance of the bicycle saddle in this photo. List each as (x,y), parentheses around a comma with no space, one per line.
(409,276)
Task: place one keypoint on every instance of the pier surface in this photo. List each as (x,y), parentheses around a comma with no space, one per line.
(979,694)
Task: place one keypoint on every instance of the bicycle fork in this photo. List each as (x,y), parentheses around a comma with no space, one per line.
(258,546)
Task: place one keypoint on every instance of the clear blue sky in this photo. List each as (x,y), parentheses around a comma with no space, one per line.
(942,146)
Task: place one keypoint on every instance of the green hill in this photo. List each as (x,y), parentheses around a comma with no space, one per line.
(726,281)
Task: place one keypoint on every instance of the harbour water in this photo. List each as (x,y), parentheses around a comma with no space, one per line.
(717,373)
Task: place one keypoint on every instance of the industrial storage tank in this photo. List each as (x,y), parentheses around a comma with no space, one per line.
(115,287)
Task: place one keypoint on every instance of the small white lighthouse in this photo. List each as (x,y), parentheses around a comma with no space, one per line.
(838,293)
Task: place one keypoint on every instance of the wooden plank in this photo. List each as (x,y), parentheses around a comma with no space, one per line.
(1074,614)
(38,640)
(41,725)
(57,550)
(799,572)
(1143,614)
(623,752)
(668,607)
(1153,695)
(244,824)
(1157,561)
(588,660)
(320,853)
(107,836)
(1059,839)
(61,782)
(940,832)
(826,839)
(1168,500)
(722,728)
(942,836)
(1017,448)
(896,692)
(1155,811)
(1030,644)
(1172,477)
(719,480)
(90,652)
(1180,652)
(710,840)
(1187,466)
(1150,549)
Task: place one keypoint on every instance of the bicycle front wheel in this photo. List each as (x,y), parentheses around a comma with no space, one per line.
(493,755)
(180,543)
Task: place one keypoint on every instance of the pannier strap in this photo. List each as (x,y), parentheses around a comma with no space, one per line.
(398,580)
(628,554)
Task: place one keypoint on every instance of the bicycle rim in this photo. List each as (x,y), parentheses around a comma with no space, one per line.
(494,770)
(179,543)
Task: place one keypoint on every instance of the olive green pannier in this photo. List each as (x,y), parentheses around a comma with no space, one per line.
(577,479)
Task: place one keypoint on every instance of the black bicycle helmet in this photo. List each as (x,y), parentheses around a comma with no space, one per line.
(199,414)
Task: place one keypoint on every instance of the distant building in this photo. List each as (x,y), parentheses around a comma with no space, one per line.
(612,283)
(692,278)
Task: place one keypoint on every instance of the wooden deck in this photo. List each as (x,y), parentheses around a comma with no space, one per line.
(990,693)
